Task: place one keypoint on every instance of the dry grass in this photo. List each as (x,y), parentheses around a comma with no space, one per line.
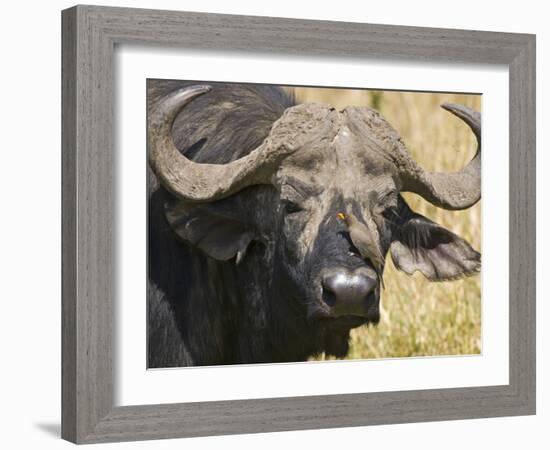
(418,317)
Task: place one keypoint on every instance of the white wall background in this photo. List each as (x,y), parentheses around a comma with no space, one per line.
(30,236)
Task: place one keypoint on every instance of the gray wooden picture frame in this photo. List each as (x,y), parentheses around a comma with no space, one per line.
(90,34)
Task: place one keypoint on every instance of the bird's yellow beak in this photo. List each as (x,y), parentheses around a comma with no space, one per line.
(341,216)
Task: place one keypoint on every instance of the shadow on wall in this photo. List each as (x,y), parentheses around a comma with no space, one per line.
(52,428)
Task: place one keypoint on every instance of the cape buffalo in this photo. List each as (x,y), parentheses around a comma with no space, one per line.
(247,259)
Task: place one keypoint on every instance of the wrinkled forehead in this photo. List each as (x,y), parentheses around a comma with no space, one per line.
(346,151)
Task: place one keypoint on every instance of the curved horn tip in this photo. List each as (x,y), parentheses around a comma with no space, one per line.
(455,108)
(449,106)
(466,114)
(460,110)
(192,91)
(168,107)
(456,190)
(200,87)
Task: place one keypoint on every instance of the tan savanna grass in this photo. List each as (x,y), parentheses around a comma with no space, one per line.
(419,317)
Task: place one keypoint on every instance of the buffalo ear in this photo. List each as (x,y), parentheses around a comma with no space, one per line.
(422,245)
(217,234)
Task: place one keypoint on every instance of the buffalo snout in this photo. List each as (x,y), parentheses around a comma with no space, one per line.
(349,293)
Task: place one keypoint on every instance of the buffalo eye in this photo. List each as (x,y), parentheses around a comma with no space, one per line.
(290,207)
(382,204)
(384,210)
(390,215)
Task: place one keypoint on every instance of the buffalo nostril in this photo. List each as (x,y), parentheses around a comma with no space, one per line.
(346,293)
(329,297)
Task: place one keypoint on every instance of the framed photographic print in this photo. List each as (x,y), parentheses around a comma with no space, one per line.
(264,229)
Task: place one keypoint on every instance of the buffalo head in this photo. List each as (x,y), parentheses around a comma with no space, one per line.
(284,197)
